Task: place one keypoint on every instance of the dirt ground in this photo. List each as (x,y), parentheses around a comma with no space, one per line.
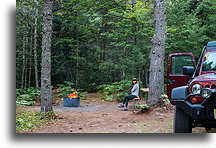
(104,117)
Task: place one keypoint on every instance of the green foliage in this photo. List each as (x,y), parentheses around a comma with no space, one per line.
(101,42)
(119,96)
(25,19)
(138,10)
(27,96)
(107,40)
(85,101)
(29,120)
(25,102)
(109,98)
(116,90)
(142,106)
(82,95)
(48,115)
(65,89)
(190,25)
(96,42)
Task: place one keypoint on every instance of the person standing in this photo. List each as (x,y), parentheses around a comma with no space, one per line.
(134,94)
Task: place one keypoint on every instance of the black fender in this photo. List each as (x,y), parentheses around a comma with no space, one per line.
(179,93)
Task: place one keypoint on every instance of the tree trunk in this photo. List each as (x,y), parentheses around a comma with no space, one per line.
(103,37)
(46,92)
(35,45)
(30,60)
(23,61)
(156,79)
(26,59)
(123,75)
(77,63)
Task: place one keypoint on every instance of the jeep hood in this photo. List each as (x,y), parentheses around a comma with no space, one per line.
(205,77)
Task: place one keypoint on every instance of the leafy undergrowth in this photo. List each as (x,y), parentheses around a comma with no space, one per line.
(27,120)
(31,96)
(27,96)
(116,91)
(143,106)
(106,92)
(63,90)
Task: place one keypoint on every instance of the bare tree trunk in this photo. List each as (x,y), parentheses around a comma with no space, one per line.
(103,38)
(123,75)
(146,77)
(35,45)
(156,79)
(26,60)
(30,61)
(46,92)
(23,62)
(77,63)
(124,72)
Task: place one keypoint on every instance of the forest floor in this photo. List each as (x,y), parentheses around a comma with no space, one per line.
(95,116)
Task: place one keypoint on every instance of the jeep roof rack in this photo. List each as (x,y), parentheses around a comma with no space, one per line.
(211,45)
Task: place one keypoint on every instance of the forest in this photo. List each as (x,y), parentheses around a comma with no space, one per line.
(92,49)
(105,41)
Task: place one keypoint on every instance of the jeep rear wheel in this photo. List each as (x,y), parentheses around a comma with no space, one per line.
(182,122)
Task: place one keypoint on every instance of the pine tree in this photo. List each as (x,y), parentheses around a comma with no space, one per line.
(46,92)
(156,79)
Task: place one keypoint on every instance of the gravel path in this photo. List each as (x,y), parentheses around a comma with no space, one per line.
(85,108)
(96,107)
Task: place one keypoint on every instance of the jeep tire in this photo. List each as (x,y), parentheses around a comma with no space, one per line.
(182,122)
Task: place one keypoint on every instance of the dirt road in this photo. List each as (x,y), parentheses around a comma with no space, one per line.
(105,117)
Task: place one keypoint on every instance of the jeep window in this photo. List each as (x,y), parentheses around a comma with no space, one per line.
(209,63)
(178,62)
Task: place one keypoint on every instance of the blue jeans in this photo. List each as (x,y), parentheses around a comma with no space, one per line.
(127,98)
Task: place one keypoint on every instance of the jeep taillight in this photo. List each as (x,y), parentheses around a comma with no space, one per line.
(196,99)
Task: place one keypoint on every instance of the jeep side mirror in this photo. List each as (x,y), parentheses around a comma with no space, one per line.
(188,70)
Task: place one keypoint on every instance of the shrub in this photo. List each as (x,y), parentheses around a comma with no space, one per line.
(115,90)
(64,90)
(119,96)
(142,106)
(82,95)
(27,96)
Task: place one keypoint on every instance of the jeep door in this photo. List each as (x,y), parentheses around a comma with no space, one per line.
(175,77)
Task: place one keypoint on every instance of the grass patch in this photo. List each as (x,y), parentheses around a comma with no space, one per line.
(27,120)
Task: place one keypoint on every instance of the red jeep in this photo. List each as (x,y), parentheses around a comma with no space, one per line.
(191,87)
